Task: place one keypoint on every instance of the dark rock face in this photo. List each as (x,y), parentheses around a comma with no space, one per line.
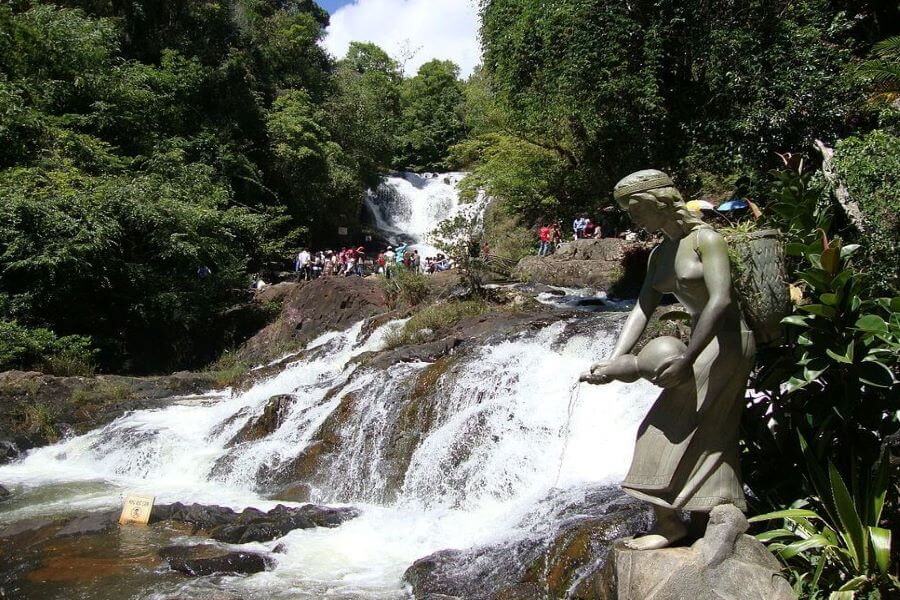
(4,493)
(725,563)
(92,524)
(251,525)
(209,559)
(311,308)
(272,417)
(550,563)
(606,264)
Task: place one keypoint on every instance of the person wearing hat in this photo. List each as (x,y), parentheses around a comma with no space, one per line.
(686,452)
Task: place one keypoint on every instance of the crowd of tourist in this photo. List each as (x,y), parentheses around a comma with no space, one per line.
(583,227)
(357,262)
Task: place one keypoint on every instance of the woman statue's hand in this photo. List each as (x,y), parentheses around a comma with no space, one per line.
(674,371)
(597,373)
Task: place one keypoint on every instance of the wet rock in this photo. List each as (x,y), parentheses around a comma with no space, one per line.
(311,308)
(251,525)
(607,263)
(578,534)
(26,527)
(725,563)
(9,451)
(4,493)
(428,352)
(92,524)
(272,417)
(299,492)
(209,559)
(73,405)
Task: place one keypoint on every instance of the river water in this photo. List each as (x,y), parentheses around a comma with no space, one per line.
(509,423)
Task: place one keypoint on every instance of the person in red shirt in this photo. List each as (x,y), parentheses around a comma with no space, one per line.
(545,234)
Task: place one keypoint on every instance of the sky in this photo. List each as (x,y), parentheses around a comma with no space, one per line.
(422,29)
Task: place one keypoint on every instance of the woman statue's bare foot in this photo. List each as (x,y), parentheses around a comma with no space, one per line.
(669,529)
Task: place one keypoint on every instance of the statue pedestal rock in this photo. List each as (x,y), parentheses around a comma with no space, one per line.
(725,564)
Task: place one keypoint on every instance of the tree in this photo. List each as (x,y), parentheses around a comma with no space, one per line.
(431,116)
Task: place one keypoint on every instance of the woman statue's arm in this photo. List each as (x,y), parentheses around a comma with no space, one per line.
(717,277)
(647,302)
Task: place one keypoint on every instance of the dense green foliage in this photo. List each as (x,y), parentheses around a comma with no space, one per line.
(588,91)
(869,165)
(142,141)
(431,118)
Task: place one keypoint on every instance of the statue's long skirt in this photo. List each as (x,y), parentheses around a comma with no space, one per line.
(686,454)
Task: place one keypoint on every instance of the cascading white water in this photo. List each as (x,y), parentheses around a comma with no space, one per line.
(409,207)
(493,449)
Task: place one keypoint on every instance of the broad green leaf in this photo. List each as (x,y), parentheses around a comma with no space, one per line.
(830,299)
(853,584)
(848,250)
(840,279)
(872,323)
(852,531)
(774,534)
(819,309)
(875,373)
(798,320)
(831,259)
(878,487)
(881,547)
(788,513)
(799,547)
(841,596)
(795,249)
(839,358)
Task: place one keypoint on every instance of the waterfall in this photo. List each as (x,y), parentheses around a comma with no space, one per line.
(485,447)
(409,207)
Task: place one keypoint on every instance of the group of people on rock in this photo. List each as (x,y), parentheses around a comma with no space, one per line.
(325,263)
(584,228)
(354,261)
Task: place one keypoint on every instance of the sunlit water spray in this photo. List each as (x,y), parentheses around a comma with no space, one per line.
(507,424)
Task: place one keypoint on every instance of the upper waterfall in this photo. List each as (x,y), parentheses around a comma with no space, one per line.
(409,207)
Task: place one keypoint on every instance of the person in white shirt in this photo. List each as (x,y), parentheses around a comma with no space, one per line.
(390,258)
(301,265)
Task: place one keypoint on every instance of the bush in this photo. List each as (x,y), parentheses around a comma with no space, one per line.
(24,348)
(433,319)
(405,286)
(869,165)
(504,234)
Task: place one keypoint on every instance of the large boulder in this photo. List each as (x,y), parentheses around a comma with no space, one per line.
(724,564)
(555,561)
(210,559)
(274,413)
(606,264)
(311,308)
(250,525)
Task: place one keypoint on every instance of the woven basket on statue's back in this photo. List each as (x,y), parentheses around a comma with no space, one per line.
(760,281)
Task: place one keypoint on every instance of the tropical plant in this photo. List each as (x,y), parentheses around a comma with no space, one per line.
(882,70)
(841,548)
(833,382)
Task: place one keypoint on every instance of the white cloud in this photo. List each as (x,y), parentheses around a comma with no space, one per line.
(444,29)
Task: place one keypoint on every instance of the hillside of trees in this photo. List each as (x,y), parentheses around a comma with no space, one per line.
(141,141)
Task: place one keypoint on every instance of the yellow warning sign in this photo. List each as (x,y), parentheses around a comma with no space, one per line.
(136,509)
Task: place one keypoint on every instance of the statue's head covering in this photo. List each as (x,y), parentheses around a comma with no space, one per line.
(641,181)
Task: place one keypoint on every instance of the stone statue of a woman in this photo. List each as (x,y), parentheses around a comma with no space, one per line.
(686,454)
